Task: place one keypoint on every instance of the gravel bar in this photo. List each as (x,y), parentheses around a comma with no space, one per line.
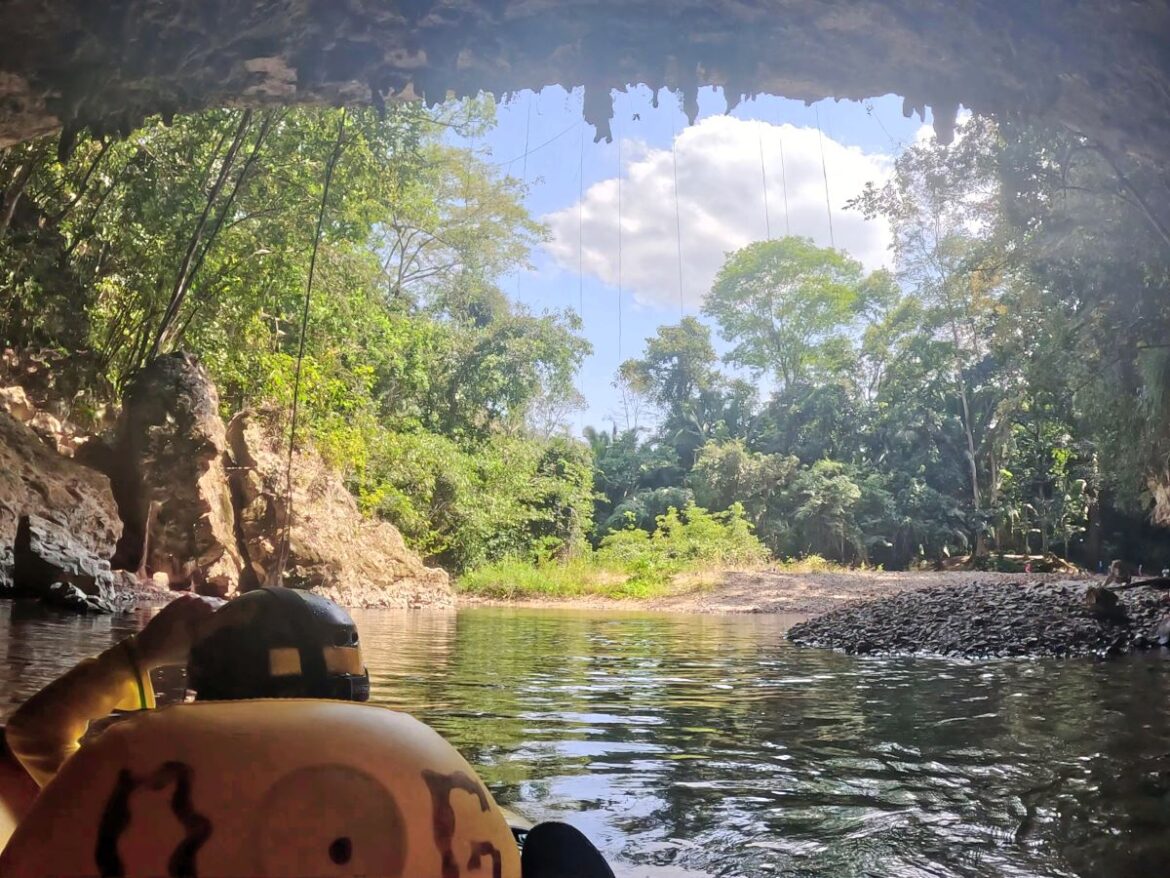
(995,619)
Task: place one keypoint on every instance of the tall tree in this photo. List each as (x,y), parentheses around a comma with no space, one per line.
(788,306)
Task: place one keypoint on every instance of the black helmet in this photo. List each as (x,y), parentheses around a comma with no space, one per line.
(279,643)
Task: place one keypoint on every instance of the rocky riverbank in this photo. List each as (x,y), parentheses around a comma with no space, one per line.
(160,496)
(997,619)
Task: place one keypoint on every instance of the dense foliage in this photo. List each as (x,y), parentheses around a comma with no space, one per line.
(421,381)
(1005,389)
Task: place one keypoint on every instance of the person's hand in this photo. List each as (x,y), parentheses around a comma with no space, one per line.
(167,638)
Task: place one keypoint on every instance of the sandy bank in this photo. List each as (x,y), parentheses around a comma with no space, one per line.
(765,591)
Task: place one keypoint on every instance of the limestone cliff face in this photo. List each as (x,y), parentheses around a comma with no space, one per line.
(191,505)
(333,549)
(170,480)
(36,480)
(1100,66)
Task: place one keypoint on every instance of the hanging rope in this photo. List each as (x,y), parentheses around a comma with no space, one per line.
(581,224)
(677,221)
(276,574)
(784,187)
(825,173)
(524,171)
(527,130)
(467,163)
(619,230)
(764,177)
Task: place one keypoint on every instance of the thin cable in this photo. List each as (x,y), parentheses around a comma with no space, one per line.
(677,221)
(619,233)
(276,574)
(825,173)
(524,173)
(871,111)
(527,129)
(540,146)
(764,177)
(784,188)
(581,225)
(467,163)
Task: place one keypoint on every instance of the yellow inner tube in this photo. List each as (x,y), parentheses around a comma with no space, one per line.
(17,792)
(277,788)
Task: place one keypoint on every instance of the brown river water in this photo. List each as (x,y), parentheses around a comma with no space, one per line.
(709,746)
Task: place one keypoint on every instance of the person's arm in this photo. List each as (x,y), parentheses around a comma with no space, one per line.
(47,729)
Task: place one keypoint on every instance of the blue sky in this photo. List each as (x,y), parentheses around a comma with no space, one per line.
(573,186)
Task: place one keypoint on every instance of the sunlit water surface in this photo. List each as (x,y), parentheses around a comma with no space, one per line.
(710,746)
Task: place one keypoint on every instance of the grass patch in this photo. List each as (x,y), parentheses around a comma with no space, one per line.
(687,549)
(519,578)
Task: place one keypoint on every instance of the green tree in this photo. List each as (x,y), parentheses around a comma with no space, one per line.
(788,306)
(419,381)
(728,473)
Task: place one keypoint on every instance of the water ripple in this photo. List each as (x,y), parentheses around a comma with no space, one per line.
(701,746)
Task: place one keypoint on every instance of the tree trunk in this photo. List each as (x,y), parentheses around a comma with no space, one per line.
(13,193)
(82,187)
(1093,537)
(968,433)
(183,278)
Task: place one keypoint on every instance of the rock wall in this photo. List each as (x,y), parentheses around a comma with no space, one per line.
(1100,66)
(58,523)
(190,505)
(333,549)
(37,480)
(170,481)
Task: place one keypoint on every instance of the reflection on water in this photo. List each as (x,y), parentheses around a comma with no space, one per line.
(710,746)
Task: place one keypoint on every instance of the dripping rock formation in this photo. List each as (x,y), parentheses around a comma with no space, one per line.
(1099,66)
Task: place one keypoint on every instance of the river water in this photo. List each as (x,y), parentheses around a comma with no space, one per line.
(709,746)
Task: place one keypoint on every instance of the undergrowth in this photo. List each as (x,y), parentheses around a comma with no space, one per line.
(815,564)
(630,563)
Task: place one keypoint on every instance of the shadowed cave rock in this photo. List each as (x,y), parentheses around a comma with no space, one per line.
(1102,68)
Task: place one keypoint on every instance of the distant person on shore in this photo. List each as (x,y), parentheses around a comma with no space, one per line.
(269,643)
(1121,572)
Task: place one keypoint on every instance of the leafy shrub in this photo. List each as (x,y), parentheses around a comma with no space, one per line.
(630,562)
(810,564)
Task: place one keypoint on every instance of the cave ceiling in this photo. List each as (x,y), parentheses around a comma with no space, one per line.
(1102,68)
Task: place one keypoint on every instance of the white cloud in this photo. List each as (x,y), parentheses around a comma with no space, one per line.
(720,205)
